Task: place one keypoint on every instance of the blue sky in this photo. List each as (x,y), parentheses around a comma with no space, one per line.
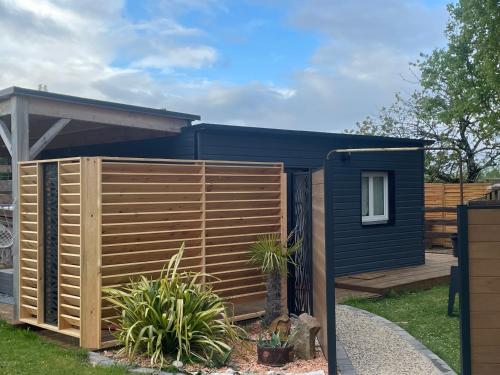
(254,40)
(317,64)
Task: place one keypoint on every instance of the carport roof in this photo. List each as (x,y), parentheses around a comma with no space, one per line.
(20,91)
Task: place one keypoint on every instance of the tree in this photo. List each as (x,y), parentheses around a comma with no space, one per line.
(457,103)
(272,256)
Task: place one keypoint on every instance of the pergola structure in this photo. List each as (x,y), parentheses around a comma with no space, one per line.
(32,121)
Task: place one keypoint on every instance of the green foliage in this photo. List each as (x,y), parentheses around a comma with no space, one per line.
(424,315)
(271,255)
(174,315)
(24,352)
(457,104)
(275,341)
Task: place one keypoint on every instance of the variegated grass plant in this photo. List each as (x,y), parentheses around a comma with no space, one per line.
(173,316)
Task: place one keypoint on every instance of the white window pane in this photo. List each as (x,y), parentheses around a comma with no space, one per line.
(378,195)
(364,197)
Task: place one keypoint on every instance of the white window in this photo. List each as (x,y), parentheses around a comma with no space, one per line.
(374,197)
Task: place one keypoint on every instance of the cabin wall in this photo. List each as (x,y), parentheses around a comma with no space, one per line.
(295,151)
(398,243)
(181,146)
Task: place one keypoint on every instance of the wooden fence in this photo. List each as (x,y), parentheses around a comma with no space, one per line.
(118,218)
(479,260)
(441,202)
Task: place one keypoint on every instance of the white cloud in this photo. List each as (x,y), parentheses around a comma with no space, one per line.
(90,49)
(184,57)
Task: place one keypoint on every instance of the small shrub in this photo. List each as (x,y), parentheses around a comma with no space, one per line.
(275,341)
(174,315)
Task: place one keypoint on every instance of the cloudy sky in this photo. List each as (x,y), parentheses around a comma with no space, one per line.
(312,65)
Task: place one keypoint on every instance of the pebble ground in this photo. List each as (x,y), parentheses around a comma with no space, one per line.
(375,349)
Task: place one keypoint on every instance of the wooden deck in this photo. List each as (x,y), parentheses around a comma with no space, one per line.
(436,270)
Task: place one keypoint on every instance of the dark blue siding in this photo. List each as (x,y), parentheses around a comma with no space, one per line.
(358,248)
(294,150)
(399,243)
(174,147)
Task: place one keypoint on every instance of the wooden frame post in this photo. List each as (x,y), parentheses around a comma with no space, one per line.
(90,256)
(284,238)
(20,152)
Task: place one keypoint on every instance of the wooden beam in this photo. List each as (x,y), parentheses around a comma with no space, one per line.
(5,107)
(90,288)
(20,152)
(116,117)
(6,136)
(48,136)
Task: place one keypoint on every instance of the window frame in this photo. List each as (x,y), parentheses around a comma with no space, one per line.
(371,218)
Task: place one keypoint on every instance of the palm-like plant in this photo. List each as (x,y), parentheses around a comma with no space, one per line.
(272,256)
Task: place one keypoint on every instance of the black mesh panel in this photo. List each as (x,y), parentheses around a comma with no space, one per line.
(50,226)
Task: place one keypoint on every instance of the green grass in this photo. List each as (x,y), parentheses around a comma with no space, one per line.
(423,315)
(24,352)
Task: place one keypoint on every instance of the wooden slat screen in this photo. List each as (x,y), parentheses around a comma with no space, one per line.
(121,218)
(217,209)
(30,244)
(484,287)
(439,200)
(69,245)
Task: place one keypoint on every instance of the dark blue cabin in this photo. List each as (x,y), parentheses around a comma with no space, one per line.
(396,242)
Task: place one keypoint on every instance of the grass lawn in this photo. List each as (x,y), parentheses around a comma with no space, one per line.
(24,352)
(423,315)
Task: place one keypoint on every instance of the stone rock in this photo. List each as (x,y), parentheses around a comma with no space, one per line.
(282,325)
(304,335)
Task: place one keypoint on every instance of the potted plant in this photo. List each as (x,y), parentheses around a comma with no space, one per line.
(272,256)
(274,351)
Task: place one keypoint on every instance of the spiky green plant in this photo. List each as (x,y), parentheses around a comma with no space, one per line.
(272,256)
(173,315)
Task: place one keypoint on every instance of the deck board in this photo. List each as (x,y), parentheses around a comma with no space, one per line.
(436,270)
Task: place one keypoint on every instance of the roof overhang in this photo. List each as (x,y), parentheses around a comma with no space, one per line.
(91,121)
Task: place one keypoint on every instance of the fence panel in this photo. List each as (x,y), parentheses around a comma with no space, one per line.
(441,201)
(479,243)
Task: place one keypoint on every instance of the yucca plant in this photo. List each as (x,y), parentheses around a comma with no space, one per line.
(173,315)
(272,256)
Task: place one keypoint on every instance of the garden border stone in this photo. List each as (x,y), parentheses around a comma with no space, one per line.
(97,359)
(344,364)
(417,345)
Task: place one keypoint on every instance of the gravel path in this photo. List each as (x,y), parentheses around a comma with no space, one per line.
(376,347)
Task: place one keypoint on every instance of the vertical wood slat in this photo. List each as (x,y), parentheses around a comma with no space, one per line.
(90,288)
(203,222)
(284,238)
(40,237)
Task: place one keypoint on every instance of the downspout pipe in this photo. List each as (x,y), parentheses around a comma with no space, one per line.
(331,155)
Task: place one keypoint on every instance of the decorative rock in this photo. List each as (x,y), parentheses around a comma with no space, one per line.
(178,364)
(304,335)
(282,325)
